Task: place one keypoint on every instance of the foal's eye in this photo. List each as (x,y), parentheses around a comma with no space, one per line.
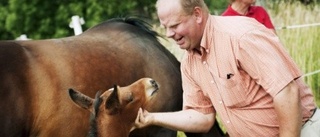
(130,97)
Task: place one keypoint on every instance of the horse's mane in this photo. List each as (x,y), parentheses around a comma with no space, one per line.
(145,27)
(93,122)
(131,20)
(138,22)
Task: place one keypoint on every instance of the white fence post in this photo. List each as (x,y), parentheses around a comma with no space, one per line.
(76,23)
(22,37)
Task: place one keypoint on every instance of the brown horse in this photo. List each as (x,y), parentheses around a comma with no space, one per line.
(114,112)
(35,75)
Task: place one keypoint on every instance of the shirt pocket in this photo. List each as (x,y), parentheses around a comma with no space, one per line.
(232,91)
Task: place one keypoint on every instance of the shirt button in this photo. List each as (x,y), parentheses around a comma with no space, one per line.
(228,121)
(212,81)
(204,62)
(220,102)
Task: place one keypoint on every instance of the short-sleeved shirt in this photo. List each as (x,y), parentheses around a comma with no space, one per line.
(257,12)
(240,70)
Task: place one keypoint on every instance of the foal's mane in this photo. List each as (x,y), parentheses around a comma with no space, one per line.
(93,122)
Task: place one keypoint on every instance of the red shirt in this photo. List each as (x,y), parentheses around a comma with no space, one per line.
(257,12)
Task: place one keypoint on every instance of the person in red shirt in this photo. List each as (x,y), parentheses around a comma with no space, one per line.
(247,8)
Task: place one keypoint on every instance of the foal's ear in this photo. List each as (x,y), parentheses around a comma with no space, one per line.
(80,99)
(112,103)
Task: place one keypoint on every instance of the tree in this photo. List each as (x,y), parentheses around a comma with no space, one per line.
(50,19)
(217,6)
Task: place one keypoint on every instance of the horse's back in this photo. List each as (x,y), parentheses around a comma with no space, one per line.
(36,74)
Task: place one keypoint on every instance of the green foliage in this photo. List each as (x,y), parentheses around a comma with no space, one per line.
(302,43)
(41,19)
(217,6)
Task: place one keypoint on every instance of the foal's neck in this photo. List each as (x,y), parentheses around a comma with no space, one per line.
(115,127)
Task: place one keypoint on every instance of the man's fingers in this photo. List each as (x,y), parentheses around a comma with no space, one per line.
(133,128)
(142,118)
(138,119)
(138,116)
(145,112)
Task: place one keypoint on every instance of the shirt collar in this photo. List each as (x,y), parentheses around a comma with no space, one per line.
(204,43)
(207,35)
(231,10)
(250,11)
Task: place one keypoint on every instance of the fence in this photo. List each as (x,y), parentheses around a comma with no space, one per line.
(298,26)
(302,26)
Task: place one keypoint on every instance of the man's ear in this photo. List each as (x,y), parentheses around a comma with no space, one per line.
(198,14)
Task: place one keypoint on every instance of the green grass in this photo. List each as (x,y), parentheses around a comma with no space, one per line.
(303,44)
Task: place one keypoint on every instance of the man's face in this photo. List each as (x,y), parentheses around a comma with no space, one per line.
(179,26)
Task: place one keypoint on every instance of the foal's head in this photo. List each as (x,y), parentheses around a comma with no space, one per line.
(113,112)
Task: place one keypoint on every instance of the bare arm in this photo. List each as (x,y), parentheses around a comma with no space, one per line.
(288,108)
(186,120)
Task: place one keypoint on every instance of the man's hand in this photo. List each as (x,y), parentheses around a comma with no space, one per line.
(143,119)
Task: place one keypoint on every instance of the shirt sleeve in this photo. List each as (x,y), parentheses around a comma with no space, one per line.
(193,97)
(264,58)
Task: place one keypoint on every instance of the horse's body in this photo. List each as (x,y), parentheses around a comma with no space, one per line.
(35,75)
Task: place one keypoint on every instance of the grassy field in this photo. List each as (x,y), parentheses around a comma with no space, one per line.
(303,43)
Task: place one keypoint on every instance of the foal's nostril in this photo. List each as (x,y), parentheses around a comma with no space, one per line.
(154,83)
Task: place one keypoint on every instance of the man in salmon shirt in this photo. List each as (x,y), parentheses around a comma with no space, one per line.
(238,69)
(247,8)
